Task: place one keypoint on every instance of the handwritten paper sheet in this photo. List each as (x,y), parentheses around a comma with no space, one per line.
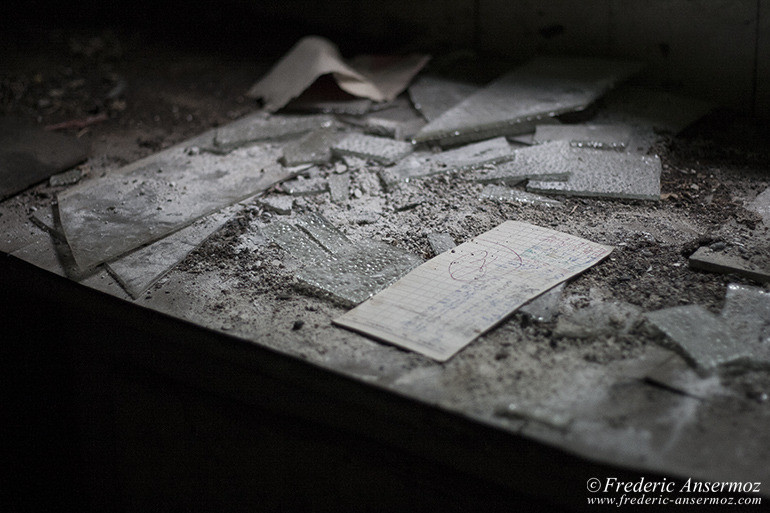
(442,305)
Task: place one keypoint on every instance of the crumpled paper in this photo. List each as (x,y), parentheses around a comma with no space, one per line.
(375,77)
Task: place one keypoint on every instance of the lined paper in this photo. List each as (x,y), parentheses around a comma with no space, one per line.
(442,305)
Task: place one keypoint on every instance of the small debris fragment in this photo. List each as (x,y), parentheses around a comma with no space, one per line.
(279,204)
(339,187)
(305,186)
(297,324)
(706,259)
(517,101)
(70,177)
(600,319)
(379,149)
(440,242)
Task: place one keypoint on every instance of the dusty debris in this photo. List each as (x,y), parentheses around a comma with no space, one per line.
(720,261)
(516,102)
(378,79)
(544,307)
(302,186)
(605,318)
(506,194)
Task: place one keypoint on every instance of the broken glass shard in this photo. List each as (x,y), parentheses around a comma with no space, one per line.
(259,127)
(471,156)
(545,306)
(325,233)
(703,338)
(546,162)
(506,194)
(141,269)
(294,241)
(106,217)
(432,95)
(514,103)
(357,272)
(313,148)
(747,312)
(706,259)
(600,137)
(596,173)
(440,242)
(378,149)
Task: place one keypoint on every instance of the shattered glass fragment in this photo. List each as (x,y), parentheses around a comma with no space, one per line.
(432,96)
(596,173)
(339,187)
(706,259)
(313,148)
(323,232)
(357,272)
(704,339)
(379,149)
(545,306)
(259,127)
(515,103)
(294,241)
(600,137)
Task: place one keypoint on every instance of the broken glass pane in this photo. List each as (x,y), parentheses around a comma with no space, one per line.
(514,103)
(596,173)
(545,306)
(148,199)
(471,156)
(707,259)
(259,127)
(433,96)
(747,311)
(313,148)
(140,269)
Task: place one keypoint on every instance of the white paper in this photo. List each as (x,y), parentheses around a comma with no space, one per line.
(441,306)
